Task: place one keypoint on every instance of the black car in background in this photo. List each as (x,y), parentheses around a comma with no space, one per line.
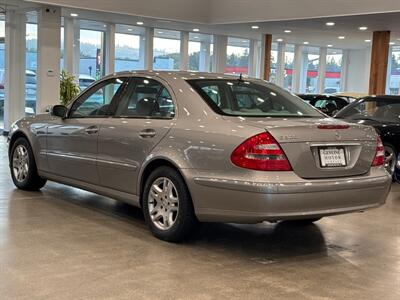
(383,113)
(329,105)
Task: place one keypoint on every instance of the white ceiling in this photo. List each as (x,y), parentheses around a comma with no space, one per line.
(305,18)
(231,11)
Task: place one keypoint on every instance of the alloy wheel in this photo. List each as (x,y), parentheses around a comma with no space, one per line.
(20,163)
(163,203)
(390,160)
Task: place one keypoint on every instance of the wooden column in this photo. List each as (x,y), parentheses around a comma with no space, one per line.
(267,56)
(379,62)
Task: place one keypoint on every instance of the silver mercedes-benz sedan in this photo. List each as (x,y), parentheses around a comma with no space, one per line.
(189,147)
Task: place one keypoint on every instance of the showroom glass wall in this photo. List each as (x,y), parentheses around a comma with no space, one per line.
(274,62)
(201,49)
(334,67)
(393,81)
(237,56)
(166,49)
(92,54)
(311,62)
(129,48)
(289,67)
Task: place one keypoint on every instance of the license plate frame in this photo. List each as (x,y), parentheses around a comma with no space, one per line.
(327,161)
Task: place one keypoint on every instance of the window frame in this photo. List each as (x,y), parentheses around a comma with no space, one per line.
(92,89)
(133,81)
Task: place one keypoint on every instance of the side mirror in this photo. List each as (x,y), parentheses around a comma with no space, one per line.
(59,111)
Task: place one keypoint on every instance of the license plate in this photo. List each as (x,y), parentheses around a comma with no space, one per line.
(331,157)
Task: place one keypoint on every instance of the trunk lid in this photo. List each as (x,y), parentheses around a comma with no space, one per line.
(308,147)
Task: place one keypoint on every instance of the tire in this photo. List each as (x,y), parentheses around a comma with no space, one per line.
(167,205)
(23,167)
(303,222)
(390,158)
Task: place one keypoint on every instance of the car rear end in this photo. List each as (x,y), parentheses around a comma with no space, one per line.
(287,167)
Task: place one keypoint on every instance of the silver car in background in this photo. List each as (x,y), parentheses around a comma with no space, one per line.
(189,147)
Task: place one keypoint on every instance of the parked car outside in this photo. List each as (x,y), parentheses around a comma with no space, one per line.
(30,91)
(383,113)
(85,81)
(329,105)
(189,147)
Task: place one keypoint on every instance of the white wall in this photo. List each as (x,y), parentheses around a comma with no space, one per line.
(358,71)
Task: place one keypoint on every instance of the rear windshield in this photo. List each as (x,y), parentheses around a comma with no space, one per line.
(249,99)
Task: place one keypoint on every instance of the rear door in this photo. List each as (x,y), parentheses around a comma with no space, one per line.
(144,115)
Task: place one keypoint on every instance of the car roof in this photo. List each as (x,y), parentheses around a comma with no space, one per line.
(185,75)
(84,76)
(382,97)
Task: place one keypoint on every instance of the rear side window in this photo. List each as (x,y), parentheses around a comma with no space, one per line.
(146,98)
(250,99)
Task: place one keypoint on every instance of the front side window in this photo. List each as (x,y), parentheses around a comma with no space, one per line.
(250,99)
(372,109)
(147,98)
(96,101)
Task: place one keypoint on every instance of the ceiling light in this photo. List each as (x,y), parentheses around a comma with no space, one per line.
(341,37)
(288,31)
(139,23)
(329,46)
(130,29)
(74,15)
(363,28)
(196,29)
(368,41)
(160,32)
(196,37)
(104,25)
(330,24)
(279,40)
(306,43)
(392,43)
(255,27)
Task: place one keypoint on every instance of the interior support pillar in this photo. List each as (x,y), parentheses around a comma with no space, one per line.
(280,65)
(379,62)
(110,49)
(266,47)
(148,48)
(219,57)
(323,52)
(49,52)
(204,60)
(253,58)
(184,65)
(15,45)
(298,68)
(71,46)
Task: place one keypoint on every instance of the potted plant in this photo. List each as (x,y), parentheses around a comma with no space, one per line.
(69,88)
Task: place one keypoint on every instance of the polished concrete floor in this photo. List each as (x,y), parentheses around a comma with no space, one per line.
(64,243)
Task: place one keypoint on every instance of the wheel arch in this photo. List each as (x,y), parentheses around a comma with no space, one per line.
(152,165)
(15,136)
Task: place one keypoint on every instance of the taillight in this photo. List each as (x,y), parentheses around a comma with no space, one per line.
(379,158)
(261,152)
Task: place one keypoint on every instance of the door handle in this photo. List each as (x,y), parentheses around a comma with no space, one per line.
(92,129)
(147,133)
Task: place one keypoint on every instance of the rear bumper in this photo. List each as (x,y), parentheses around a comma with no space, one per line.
(240,201)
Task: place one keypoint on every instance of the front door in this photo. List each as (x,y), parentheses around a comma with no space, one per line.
(144,115)
(72,142)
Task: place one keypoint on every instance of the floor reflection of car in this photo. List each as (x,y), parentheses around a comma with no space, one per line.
(383,113)
(85,81)
(30,91)
(205,147)
(329,105)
